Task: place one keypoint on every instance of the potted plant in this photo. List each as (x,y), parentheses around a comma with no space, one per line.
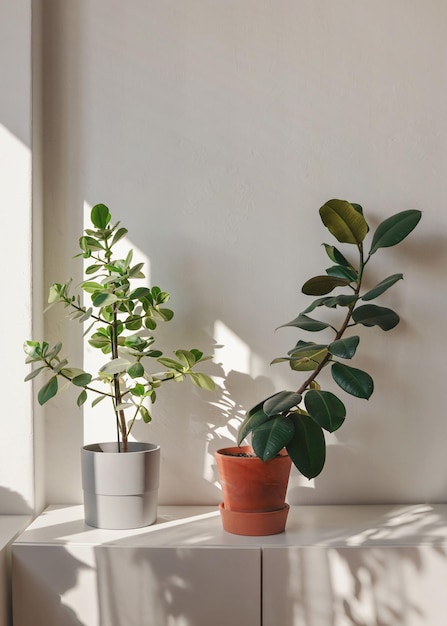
(295,421)
(120,479)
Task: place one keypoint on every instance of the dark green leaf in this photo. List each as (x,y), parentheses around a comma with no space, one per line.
(320,285)
(381,287)
(352,380)
(344,221)
(336,256)
(103,298)
(341,300)
(271,437)
(136,370)
(82,379)
(306,323)
(139,292)
(339,271)
(316,303)
(326,409)
(394,229)
(100,216)
(82,398)
(48,391)
(373,315)
(252,420)
(281,401)
(344,348)
(307,448)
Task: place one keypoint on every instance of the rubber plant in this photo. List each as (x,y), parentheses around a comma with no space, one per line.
(297,419)
(122,319)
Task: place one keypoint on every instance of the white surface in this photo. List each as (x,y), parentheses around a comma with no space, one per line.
(16,422)
(325,525)
(175,573)
(334,566)
(10,527)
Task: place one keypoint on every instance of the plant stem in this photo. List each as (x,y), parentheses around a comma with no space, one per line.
(343,327)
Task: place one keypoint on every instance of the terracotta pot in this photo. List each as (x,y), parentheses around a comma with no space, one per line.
(251,487)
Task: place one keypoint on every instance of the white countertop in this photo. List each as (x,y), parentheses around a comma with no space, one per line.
(200,526)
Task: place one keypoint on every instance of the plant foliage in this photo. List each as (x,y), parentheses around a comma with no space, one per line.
(122,319)
(280,420)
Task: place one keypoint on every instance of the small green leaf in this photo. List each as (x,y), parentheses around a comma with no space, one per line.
(394,229)
(91,269)
(136,370)
(306,356)
(352,380)
(373,315)
(120,233)
(381,287)
(203,381)
(138,390)
(339,271)
(34,373)
(90,286)
(90,244)
(82,398)
(100,216)
(320,285)
(166,314)
(140,292)
(48,391)
(271,437)
(98,400)
(133,322)
(167,362)
(306,323)
(187,358)
(145,414)
(344,221)
(82,379)
(115,366)
(336,256)
(307,448)
(344,348)
(281,401)
(103,298)
(325,408)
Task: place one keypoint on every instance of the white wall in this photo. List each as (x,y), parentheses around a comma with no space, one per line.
(214,131)
(17,494)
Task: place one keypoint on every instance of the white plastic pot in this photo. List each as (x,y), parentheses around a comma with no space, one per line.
(120,488)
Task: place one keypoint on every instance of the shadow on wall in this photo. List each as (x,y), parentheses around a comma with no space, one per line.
(12,503)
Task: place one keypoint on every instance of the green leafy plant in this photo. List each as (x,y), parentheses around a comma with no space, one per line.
(281,420)
(122,321)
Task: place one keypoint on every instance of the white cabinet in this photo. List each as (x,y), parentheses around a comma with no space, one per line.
(179,572)
(334,566)
(10,526)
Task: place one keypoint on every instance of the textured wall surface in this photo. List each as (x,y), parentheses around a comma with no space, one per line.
(214,131)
